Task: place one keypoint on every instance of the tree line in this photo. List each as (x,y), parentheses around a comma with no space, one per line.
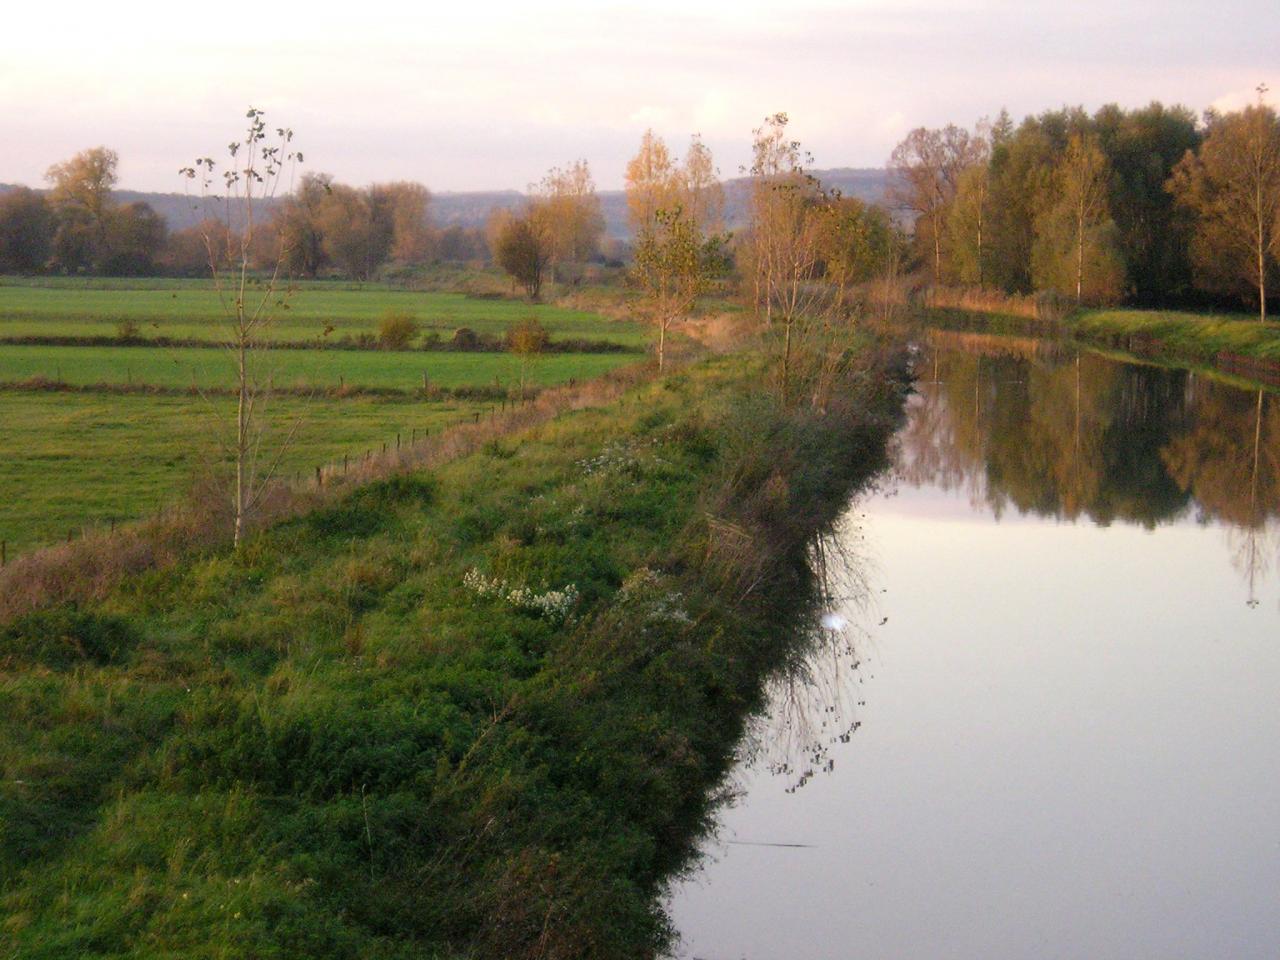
(77,226)
(1151,206)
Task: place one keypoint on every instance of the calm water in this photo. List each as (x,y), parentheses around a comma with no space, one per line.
(1052,726)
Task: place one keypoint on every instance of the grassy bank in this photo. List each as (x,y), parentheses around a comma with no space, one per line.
(1231,340)
(1192,337)
(476,711)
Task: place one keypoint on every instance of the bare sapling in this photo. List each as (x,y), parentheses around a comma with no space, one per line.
(234,200)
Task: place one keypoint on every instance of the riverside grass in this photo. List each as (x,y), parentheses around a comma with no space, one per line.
(330,745)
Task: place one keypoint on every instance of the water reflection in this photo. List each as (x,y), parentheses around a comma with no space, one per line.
(1065,716)
(1085,437)
(812,704)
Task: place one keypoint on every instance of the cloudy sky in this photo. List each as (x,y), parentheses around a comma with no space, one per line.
(487,95)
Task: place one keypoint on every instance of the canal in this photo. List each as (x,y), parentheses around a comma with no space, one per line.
(1045,718)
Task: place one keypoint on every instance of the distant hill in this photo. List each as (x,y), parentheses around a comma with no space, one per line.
(471,208)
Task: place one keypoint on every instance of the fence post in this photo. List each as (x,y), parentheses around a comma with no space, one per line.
(397,439)
(319,478)
(4,552)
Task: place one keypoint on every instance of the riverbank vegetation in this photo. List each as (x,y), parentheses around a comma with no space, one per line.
(416,721)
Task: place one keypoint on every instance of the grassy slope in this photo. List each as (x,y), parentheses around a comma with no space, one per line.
(329,746)
(70,460)
(190,309)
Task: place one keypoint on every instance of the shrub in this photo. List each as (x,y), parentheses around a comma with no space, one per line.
(397,330)
(464,338)
(126,329)
(527,337)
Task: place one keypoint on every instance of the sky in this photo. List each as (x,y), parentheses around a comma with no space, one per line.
(487,95)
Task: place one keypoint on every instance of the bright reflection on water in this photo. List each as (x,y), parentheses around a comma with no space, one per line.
(1052,728)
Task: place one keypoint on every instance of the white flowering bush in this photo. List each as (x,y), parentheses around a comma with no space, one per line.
(647,592)
(622,456)
(551,604)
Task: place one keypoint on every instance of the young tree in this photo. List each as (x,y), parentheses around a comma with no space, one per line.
(256,166)
(784,232)
(521,248)
(527,339)
(1233,188)
(1082,178)
(855,244)
(673,265)
(27,226)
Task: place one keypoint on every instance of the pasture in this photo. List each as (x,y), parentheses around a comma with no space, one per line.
(100,453)
(191,310)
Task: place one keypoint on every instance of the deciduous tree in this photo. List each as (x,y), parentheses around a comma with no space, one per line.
(1232,186)
(652,182)
(80,194)
(926,168)
(522,248)
(27,227)
(672,267)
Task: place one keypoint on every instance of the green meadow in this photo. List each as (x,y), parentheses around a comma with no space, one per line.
(71,459)
(191,309)
(203,367)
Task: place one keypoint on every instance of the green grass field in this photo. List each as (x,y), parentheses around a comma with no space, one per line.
(183,367)
(70,460)
(191,310)
(73,459)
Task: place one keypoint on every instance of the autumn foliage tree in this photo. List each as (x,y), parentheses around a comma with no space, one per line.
(522,248)
(1232,187)
(673,265)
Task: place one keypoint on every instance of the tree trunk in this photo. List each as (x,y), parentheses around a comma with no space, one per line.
(242,438)
(786,361)
(662,344)
(1080,258)
(937,253)
(1262,260)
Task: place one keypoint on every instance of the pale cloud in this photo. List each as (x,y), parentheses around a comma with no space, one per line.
(486,94)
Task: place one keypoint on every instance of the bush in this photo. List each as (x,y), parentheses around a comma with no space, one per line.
(464,338)
(127,329)
(528,336)
(397,330)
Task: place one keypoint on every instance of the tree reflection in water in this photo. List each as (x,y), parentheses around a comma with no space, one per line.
(812,702)
(1083,436)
